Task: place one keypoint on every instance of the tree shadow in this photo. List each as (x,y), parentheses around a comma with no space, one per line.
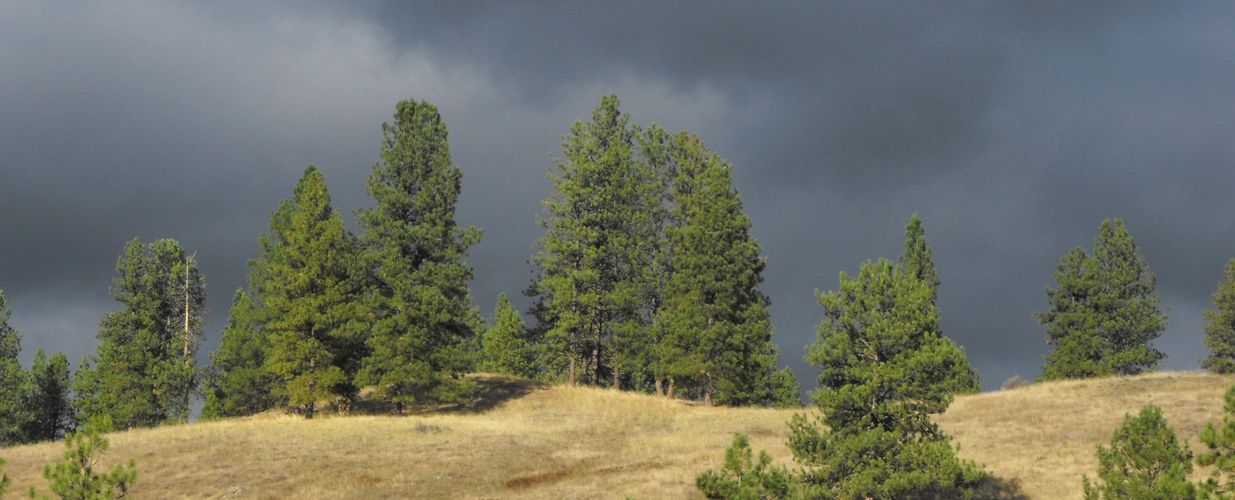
(998,488)
(490,392)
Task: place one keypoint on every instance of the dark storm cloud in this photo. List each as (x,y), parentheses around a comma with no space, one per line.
(1013,129)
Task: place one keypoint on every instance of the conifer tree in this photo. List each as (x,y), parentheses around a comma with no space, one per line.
(716,319)
(916,261)
(49,400)
(786,391)
(239,382)
(14,381)
(744,478)
(884,371)
(505,347)
(424,335)
(598,240)
(143,371)
(75,477)
(1105,311)
(1219,452)
(311,285)
(1144,461)
(1220,326)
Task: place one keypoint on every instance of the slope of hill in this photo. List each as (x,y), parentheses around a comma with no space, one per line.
(533,441)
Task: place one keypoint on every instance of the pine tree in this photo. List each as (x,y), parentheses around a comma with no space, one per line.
(311,286)
(1219,452)
(716,319)
(143,371)
(743,478)
(916,261)
(49,400)
(884,371)
(786,391)
(75,476)
(505,347)
(1144,461)
(1220,326)
(597,247)
(239,383)
(423,337)
(14,382)
(1105,311)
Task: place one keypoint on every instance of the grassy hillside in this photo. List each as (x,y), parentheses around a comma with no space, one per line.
(532,441)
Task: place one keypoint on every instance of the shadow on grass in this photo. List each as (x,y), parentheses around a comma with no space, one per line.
(998,488)
(491,391)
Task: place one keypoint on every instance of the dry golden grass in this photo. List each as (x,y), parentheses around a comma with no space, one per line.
(532,441)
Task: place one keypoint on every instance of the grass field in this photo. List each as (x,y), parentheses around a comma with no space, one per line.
(533,441)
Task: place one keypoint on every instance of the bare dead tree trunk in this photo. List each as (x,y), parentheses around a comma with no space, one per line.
(187,263)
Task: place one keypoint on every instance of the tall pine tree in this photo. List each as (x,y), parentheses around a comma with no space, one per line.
(14,381)
(143,371)
(311,284)
(1220,326)
(916,262)
(718,330)
(239,382)
(1105,311)
(49,399)
(597,247)
(424,335)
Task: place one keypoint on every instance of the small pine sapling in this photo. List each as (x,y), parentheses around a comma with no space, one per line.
(1144,461)
(75,476)
(743,477)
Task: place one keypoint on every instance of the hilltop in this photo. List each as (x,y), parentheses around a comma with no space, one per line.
(529,440)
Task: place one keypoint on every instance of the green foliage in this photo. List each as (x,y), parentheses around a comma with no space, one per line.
(4,480)
(1105,311)
(718,333)
(143,372)
(1220,450)
(884,371)
(311,285)
(786,391)
(1144,461)
(505,347)
(916,261)
(48,400)
(424,324)
(745,479)
(1220,326)
(74,477)
(598,250)
(14,382)
(238,382)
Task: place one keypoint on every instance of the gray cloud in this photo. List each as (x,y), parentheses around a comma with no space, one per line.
(1012,129)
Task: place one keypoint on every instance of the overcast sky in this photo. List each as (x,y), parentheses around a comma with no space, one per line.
(1013,129)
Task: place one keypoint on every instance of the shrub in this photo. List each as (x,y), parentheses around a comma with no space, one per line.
(743,478)
(75,477)
(1144,461)
(1220,450)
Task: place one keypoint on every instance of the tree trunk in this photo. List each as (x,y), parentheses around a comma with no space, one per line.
(707,394)
(398,407)
(617,377)
(660,388)
(186,310)
(570,374)
(670,388)
(596,363)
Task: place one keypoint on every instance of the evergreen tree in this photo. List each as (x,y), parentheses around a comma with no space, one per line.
(1220,451)
(423,339)
(1144,461)
(1220,326)
(311,286)
(744,478)
(143,371)
(48,400)
(1105,311)
(716,319)
(75,477)
(597,247)
(884,371)
(239,383)
(505,347)
(786,391)
(916,260)
(14,381)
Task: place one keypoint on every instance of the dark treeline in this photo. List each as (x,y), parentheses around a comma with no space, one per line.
(646,278)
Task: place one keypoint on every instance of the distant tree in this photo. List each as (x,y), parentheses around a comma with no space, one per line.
(49,399)
(1144,461)
(884,371)
(1220,326)
(311,286)
(505,345)
(75,476)
(743,478)
(716,319)
(1105,311)
(786,391)
(916,260)
(424,332)
(591,285)
(1219,451)
(143,371)
(239,382)
(14,382)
